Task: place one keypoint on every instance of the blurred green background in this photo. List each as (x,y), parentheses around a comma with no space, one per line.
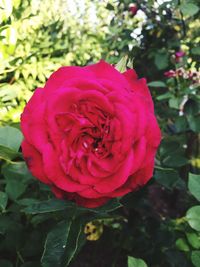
(161,40)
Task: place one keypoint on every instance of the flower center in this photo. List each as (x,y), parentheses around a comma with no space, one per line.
(94,140)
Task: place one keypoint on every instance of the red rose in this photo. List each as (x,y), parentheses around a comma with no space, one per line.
(91,133)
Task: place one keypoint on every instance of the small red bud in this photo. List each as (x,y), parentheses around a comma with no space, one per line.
(133,9)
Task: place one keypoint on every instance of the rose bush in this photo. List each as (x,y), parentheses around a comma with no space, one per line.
(91,133)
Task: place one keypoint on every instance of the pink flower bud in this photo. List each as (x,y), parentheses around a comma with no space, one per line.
(133,9)
(170,73)
(179,54)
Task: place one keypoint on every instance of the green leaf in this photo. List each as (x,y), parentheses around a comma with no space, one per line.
(62,243)
(133,262)
(195,258)
(17,179)
(58,205)
(161,60)
(3,200)
(182,245)
(172,154)
(175,160)
(157,84)
(75,241)
(16,3)
(2,28)
(9,92)
(10,137)
(55,244)
(165,96)
(108,207)
(27,201)
(50,205)
(8,154)
(195,50)
(40,218)
(110,7)
(189,9)
(168,178)
(194,123)
(168,147)
(121,65)
(193,240)
(174,102)
(193,217)
(194,185)
(181,124)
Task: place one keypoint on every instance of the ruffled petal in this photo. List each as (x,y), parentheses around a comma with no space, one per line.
(63,74)
(139,86)
(32,121)
(130,75)
(34,161)
(92,202)
(103,70)
(117,179)
(55,173)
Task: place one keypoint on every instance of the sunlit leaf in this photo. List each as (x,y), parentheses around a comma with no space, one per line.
(121,66)
(134,262)
(194,185)
(182,245)
(193,217)
(17,179)
(193,239)
(10,137)
(195,257)
(189,9)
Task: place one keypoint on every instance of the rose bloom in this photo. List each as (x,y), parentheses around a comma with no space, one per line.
(91,133)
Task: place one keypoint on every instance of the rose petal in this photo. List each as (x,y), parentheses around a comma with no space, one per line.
(140,87)
(142,176)
(32,125)
(63,74)
(117,179)
(130,75)
(153,133)
(34,161)
(85,202)
(91,203)
(55,174)
(139,153)
(103,70)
